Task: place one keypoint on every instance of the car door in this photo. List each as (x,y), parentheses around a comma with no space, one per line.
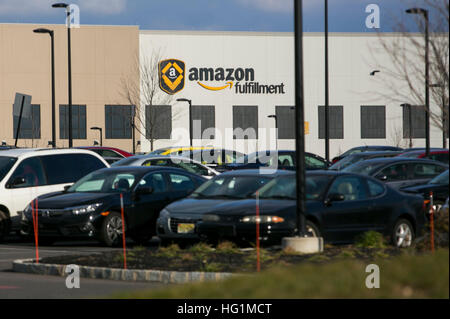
(396,175)
(380,208)
(146,206)
(344,220)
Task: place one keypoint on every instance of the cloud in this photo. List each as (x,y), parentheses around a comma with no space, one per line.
(107,7)
(281,6)
(14,8)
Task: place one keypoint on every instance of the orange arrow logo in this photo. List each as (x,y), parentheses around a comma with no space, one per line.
(212,88)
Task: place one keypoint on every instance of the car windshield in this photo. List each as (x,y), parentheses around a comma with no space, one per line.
(5,165)
(285,187)
(104,182)
(441,179)
(362,167)
(345,162)
(233,187)
(128,161)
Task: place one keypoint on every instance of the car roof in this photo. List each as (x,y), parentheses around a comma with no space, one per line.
(144,169)
(388,160)
(376,147)
(432,151)
(23,152)
(258,172)
(364,154)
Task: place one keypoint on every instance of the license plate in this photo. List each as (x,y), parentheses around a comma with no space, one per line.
(185,228)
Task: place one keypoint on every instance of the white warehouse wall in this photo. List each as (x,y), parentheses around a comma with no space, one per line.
(271,55)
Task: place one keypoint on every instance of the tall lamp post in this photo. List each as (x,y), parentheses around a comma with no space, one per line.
(424,13)
(67,7)
(190,117)
(444,121)
(51,33)
(101,133)
(273,116)
(408,107)
(327,102)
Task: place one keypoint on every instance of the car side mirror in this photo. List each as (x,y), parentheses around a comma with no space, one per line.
(335,197)
(17,182)
(382,178)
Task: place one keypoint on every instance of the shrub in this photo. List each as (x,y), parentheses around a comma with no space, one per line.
(370,239)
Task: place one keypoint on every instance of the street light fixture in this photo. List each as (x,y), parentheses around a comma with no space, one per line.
(190,116)
(273,116)
(67,7)
(408,106)
(51,33)
(424,13)
(374,72)
(101,134)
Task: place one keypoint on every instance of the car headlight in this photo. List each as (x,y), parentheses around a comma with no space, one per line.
(164,213)
(210,218)
(85,209)
(262,219)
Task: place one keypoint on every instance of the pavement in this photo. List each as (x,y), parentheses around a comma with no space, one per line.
(27,286)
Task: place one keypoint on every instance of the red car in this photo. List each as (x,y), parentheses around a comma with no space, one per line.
(110,154)
(437,155)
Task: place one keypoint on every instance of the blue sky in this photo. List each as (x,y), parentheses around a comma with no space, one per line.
(218,15)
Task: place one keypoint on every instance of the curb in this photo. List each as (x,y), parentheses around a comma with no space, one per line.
(168,277)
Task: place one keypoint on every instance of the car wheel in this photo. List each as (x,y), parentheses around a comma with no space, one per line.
(4,225)
(312,230)
(111,230)
(402,234)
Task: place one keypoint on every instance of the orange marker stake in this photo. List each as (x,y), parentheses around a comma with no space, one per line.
(34,213)
(123,234)
(258,264)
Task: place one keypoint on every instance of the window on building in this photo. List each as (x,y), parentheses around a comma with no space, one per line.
(118,120)
(206,114)
(30,128)
(414,114)
(245,122)
(78,122)
(158,119)
(336,122)
(286,122)
(373,121)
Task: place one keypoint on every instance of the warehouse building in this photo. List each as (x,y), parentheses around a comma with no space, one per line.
(235,82)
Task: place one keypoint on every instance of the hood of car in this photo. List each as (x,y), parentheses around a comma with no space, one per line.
(196,206)
(423,188)
(65,200)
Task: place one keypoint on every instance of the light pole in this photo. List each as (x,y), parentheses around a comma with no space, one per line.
(408,106)
(190,117)
(424,13)
(51,33)
(101,134)
(444,121)
(273,116)
(69,54)
(327,102)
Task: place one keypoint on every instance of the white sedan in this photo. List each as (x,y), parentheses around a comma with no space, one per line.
(187,164)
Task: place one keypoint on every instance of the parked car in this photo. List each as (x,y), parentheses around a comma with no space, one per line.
(91,208)
(28,173)
(110,154)
(171,161)
(439,187)
(214,158)
(277,160)
(366,148)
(177,150)
(356,157)
(177,220)
(399,172)
(436,155)
(339,207)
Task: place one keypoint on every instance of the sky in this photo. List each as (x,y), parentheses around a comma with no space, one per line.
(212,15)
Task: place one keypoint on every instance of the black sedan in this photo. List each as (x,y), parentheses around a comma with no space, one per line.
(278,159)
(357,157)
(339,207)
(92,206)
(399,172)
(177,221)
(439,187)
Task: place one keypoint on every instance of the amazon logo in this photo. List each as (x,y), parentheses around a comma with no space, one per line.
(225,75)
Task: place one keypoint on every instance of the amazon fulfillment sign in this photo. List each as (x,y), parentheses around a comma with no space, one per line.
(240,80)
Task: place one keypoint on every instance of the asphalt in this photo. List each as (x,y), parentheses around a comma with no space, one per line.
(28,286)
